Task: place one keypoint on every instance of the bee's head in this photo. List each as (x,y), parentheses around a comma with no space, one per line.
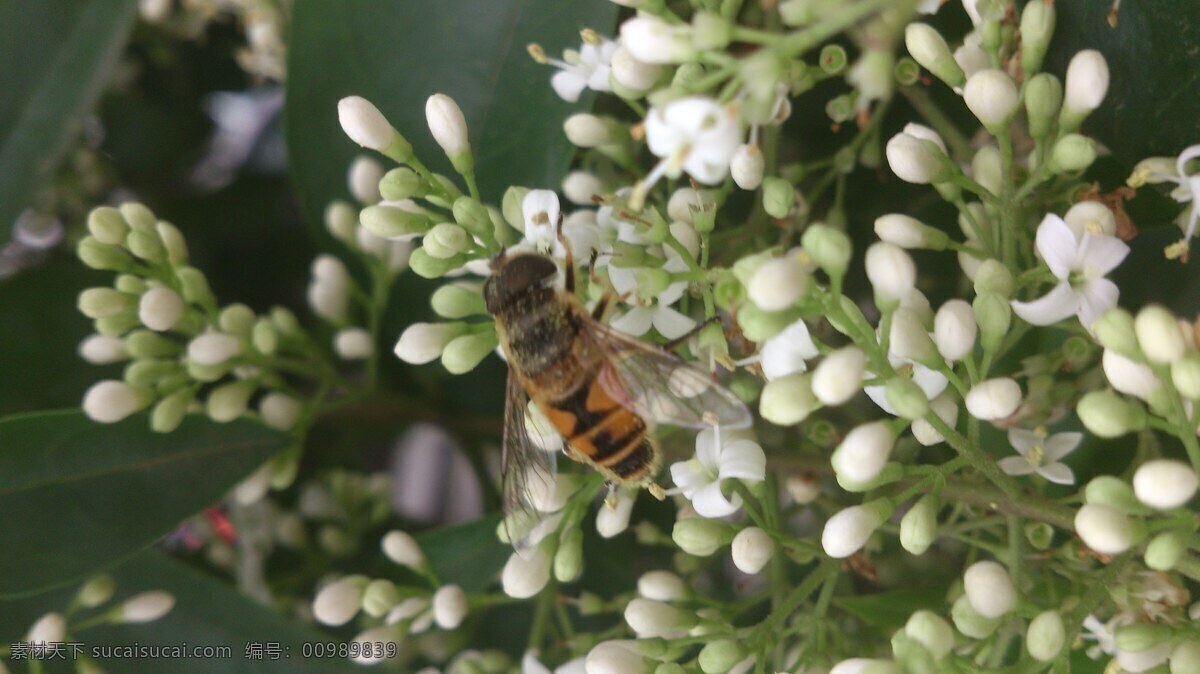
(513,276)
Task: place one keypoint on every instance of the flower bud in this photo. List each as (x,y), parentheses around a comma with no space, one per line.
(931,631)
(906,397)
(1158,334)
(1165,550)
(339,601)
(379,597)
(1186,657)
(929,48)
(1113,492)
(1104,529)
(918,527)
(847,531)
(1141,637)
(1087,83)
(194,286)
(213,348)
(462,354)
(104,303)
(1131,377)
(524,577)
(449,606)
(568,559)
(50,628)
(838,377)
(699,536)
(110,401)
(632,74)
(1115,331)
(446,240)
(945,406)
(778,283)
(778,197)
(891,271)
(651,40)
(992,98)
(617,657)
(580,187)
(102,256)
(993,314)
(751,549)
(803,489)
(1164,483)
(458,300)
(228,401)
(1046,635)
(364,124)
(655,619)
(279,410)
(908,338)
(1072,153)
(993,276)
(103,349)
(447,125)
(994,399)
(908,232)
(989,589)
(402,183)
(988,169)
(829,248)
(146,607)
(96,591)
(1185,374)
(160,309)
(392,221)
(168,413)
(788,400)
(353,344)
(1149,660)
(954,330)
(586,130)
(864,666)
(422,343)
(661,586)
(236,319)
(403,549)
(1108,416)
(107,225)
(1037,27)
(917,155)
(612,521)
(747,167)
(969,621)
(145,244)
(430,266)
(864,451)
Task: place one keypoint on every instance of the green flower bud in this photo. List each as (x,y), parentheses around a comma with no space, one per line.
(128,283)
(670,668)
(264,337)
(473,217)
(511,207)
(651,281)
(907,72)
(1185,373)
(728,292)
(701,537)
(144,344)
(788,400)
(138,216)
(840,108)
(462,354)
(107,225)
(1043,98)
(104,303)
(102,256)
(427,266)
(743,270)
(228,401)
(686,75)
(1109,416)
(1072,153)
(194,286)
(1165,550)
(1159,335)
(97,590)
(379,597)
(146,245)
(117,325)
(718,657)
(236,319)
(710,31)
(993,276)
(173,242)
(833,59)
(994,315)
(970,622)
(169,412)
(906,397)
(829,248)
(778,196)
(389,221)
(931,631)
(1115,331)
(1046,635)
(402,183)
(891,472)
(1039,534)
(285,321)
(746,388)
(1112,492)
(628,255)
(929,48)
(1186,657)
(206,373)
(1141,637)
(1037,27)
(458,300)
(568,560)
(911,655)
(918,527)
(148,373)
(446,240)
(759,325)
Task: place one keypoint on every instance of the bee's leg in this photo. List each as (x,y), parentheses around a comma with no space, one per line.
(569,262)
(605,300)
(679,341)
(656,491)
(610,499)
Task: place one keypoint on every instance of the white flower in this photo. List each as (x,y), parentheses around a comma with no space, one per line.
(524,577)
(994,399)
(363,122)
(651,40)
(989,589)
(353,344)
(213,348)
(110,401)
(751,549)
(654,310)
(1164,483)
(656,619)
(147,607)
(971,56)
(103,349)
(50,628)
(447,124)
(848,529)
(612,521)
(587,68)
(992,96)
(1094,630)
(615,657)
(787,352)
(339,601)
(661,586)
(1080,265)
(632,73)
(160,308)
(403,549)
(1040,454)
(839,375)
(1104,528)
(449,606)
(695,135)
(1129,376)
(719,456)
(864,451)
(1087,82)
(911,159)
(1188,186)
(931,382)
(891,270)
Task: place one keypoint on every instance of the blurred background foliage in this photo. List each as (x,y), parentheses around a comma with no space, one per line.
(101,106)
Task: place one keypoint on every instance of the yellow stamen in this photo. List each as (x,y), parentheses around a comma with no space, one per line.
(536,52)
(590,36)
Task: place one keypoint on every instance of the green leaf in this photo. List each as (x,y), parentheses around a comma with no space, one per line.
(469,555)
(207,613)
(76,495)
(892,609)
(1151,107)
(55,56)
(397,54)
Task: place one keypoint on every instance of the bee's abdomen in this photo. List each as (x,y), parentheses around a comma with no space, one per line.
(603,432)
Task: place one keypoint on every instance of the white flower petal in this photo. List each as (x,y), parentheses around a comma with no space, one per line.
(1015,465)
(930,381)
(670,323)
(1059,445)
(1057,245)
(1100,254)
(1095,298)
(710,502)
(744,460)
(877,396)
(568,84)
(1051,308)
(689,477)
(636,321)
(1057,473)
(1022,440)
(707,451)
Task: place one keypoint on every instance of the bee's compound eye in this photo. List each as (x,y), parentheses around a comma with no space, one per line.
(527,270)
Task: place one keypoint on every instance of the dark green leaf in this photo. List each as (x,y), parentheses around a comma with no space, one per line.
(397,54)
(55,56)
(892,609)
(1151,107)
(76,495)
(469,555)
(207,613)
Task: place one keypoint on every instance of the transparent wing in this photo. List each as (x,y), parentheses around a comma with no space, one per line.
(660,386)
(528,466)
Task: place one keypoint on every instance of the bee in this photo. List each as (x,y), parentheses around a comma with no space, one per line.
(601,390)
